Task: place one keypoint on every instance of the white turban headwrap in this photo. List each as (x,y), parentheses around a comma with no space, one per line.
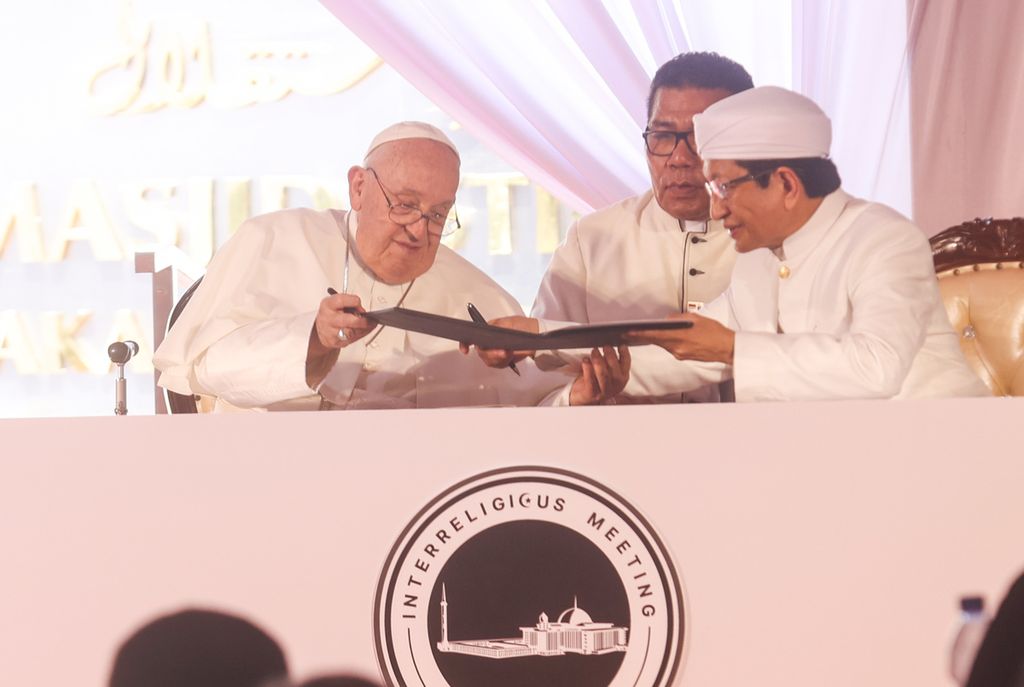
(404,130)
(765,123)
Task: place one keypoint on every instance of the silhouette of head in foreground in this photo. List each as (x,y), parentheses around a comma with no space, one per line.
(199,648)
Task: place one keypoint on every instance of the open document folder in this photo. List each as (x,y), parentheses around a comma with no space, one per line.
(489,336)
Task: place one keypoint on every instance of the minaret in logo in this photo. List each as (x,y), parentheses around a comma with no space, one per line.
(574,632)
(443,645)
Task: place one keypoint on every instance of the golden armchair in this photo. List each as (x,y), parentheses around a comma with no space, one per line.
(980,267)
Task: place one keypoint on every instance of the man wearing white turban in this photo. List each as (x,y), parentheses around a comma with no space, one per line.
(831,296)
(262,332)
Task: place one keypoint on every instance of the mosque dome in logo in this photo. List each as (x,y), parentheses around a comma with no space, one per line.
(477,590)
(575,616)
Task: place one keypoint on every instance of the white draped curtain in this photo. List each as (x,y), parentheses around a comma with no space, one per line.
(968,104)
(558,88)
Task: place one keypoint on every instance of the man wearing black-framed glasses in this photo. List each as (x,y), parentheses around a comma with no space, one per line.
(832,297)
(656,253)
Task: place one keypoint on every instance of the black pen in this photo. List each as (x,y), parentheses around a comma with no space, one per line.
(350,310)
(479,319)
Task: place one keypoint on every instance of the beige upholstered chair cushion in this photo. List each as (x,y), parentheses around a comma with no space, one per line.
(980,266)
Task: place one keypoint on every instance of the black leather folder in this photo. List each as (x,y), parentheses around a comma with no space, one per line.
(489,336)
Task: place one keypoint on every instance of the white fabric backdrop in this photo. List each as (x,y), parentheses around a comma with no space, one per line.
(557,87)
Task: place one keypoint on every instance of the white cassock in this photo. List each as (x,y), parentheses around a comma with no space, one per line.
(631,261)
(244,335)
(849,309)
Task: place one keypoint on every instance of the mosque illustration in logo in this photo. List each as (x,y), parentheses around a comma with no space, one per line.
(573,633)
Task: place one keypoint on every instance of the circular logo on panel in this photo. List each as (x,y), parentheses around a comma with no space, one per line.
(529,576)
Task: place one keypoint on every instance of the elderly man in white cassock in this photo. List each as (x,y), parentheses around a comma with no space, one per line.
(831,296)
(277,322)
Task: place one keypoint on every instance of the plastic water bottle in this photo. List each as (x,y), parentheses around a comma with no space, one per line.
(974,623)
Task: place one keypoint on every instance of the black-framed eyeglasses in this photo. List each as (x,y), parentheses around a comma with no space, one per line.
(722,189)
(400,213)
(663,143)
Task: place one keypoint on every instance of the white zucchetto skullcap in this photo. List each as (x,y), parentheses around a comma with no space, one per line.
(404,130)
(765,123)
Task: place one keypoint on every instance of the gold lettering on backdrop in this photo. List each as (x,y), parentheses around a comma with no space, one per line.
(15,345)
(152,70)
(87,219)
(60,346)
(127,326)
(330,73)
(146,205)
(149,71)
(175,71)
(275,71)
(184,214)
(499,203)
(22,219)
(126,69)
(183,71)
(548,233)
(239,202)
(274,192)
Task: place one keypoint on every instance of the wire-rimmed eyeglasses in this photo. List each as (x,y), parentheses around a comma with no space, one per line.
(400,213)
(722,189)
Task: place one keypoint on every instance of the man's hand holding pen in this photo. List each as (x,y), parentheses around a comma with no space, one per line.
(339,321)
(499,357)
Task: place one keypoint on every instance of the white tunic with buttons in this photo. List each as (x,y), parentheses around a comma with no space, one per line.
(632,260)
(244,335)
(848,308)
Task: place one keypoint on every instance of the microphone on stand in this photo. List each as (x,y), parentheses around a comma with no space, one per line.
(120,353)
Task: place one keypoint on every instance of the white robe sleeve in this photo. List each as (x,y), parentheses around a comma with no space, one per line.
(258,364)
(242,337)
(890,279)
(562,295)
